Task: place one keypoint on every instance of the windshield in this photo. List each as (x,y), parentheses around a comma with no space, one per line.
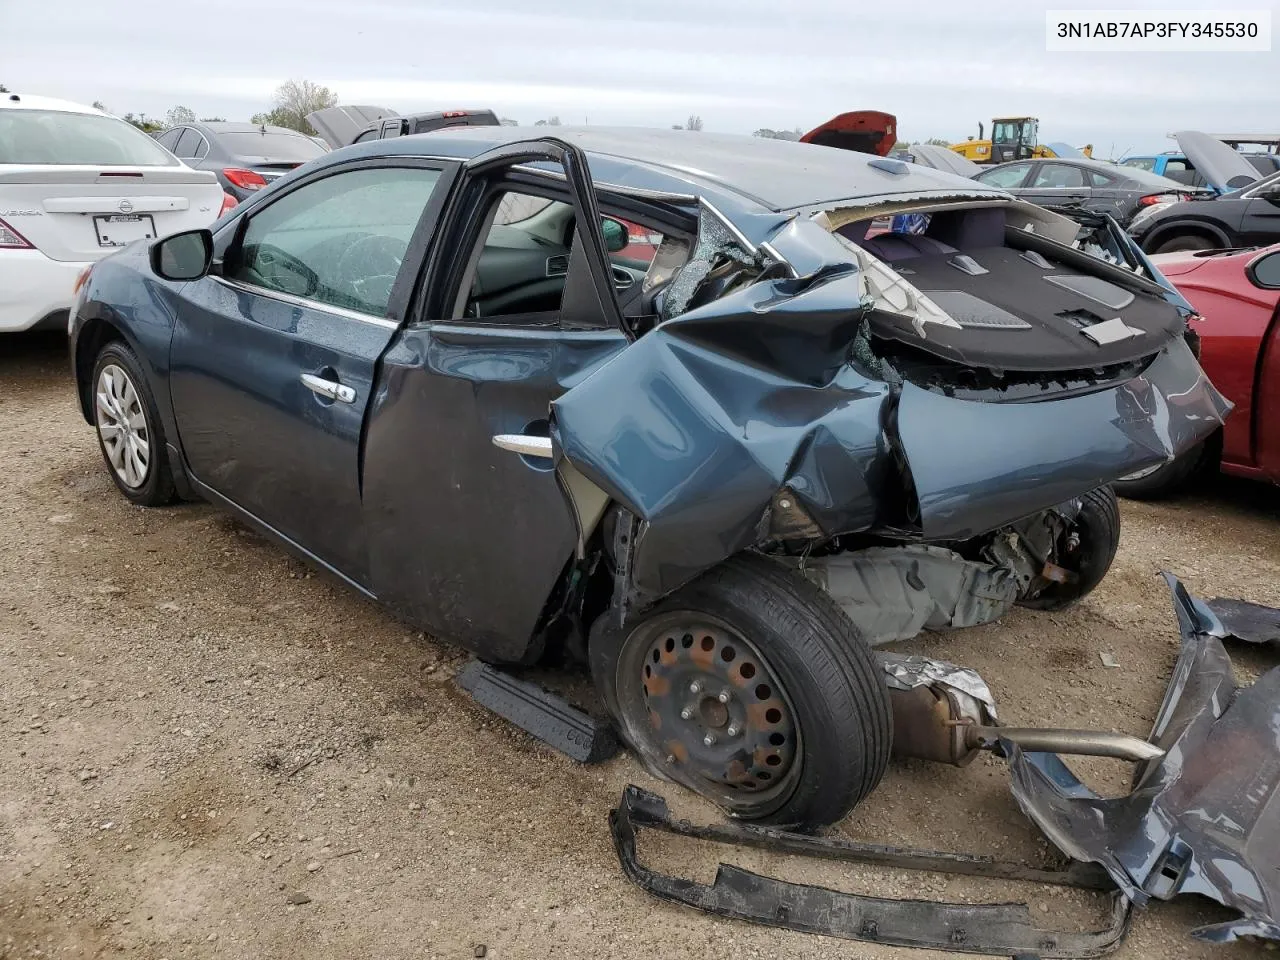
(272,147)
(60,137)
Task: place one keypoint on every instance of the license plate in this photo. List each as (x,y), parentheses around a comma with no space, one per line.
(119,229)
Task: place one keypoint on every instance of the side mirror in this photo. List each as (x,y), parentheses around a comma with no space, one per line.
(1264,272)
(616,234)
(183,256)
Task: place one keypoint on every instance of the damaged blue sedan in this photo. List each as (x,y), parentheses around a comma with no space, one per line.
(675,405)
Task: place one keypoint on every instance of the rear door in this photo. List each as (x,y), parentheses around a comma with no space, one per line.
(467,538)
(1260,222)
(1057,185)
(273,360)
(79,186)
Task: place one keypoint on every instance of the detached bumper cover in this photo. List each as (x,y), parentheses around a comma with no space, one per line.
(997,929)
(1203,819)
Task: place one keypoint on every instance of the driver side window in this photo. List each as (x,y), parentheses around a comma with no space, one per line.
(340,240)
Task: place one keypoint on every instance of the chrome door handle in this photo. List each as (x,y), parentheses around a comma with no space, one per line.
(328,388)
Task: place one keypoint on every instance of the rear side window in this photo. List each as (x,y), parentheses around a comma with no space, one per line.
(63,138)
(1097,179)
(186,147)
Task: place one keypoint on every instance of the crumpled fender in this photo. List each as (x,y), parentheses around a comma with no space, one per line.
(695,426)
(699,424)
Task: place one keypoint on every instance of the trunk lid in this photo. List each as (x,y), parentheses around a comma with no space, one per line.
(76,213)
(866,131)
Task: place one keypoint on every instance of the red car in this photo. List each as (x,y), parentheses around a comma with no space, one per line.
(1238,295)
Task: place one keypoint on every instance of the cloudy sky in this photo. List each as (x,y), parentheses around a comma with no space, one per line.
(940,66)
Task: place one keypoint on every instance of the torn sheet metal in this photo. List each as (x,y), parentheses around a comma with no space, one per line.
(698,425)
(892,593)
(1250,622)
(937,706)
(903,672)
(1203,819)
(995,929)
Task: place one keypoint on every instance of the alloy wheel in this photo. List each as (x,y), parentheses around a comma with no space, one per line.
(122,425)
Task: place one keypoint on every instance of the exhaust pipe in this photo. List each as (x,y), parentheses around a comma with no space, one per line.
(945,714)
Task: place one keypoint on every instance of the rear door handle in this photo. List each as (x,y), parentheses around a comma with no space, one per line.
(329,388)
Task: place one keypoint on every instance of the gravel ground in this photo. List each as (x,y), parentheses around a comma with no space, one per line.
(211,752)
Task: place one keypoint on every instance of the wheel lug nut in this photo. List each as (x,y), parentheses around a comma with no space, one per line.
(686,714)
(733,730)
(695,687)
(725,696)
(709,740)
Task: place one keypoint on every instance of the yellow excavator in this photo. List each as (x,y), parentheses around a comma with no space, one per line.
(1012,138)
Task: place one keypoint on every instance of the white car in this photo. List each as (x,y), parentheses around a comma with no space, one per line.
(75,185)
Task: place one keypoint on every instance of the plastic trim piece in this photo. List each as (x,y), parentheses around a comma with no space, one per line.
(998,929)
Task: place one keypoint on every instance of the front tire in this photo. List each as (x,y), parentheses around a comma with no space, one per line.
(127,422)
(1186,242)
(752,688)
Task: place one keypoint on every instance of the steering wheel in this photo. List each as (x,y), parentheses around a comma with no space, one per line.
(282,271)
(373,255)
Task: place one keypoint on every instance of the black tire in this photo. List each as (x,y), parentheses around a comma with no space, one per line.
(155,486)
(1098,529)
(1187,241)
(833,692)
(1167,479)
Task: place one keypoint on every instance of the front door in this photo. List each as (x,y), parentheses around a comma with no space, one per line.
(468,539)
(273,360)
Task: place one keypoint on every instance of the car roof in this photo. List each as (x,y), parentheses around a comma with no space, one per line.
(230,126)
(21,101)
(773,174)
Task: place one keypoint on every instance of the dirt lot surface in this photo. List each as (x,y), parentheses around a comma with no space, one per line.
(198,734)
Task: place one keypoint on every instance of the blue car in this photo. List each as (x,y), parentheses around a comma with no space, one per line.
(1204,161)
(715,475)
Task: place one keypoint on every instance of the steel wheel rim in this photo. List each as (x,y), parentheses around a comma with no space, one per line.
(122,426)
(752,769)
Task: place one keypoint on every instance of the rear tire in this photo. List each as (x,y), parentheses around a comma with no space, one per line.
(1098,527)
(814,729)
(127,422)
(1185,242)
(1168,478)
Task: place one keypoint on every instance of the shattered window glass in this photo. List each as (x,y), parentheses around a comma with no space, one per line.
(716,246)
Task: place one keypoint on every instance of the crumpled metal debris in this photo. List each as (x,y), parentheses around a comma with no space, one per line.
(1205,818)
(904,672)
(1249,622)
